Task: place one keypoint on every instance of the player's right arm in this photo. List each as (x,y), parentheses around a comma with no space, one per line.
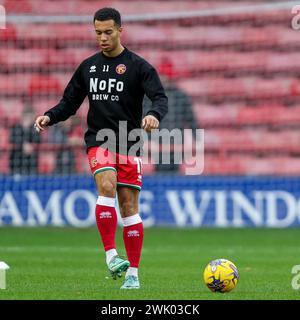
(72,99)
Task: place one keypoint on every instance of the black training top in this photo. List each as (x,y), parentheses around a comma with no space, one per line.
(115,88)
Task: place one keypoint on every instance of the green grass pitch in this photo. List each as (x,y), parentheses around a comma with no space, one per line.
(68,263)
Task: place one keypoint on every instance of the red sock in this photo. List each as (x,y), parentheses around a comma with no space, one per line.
(133,235)
(106,219)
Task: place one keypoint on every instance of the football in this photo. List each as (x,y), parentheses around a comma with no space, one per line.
(221,275)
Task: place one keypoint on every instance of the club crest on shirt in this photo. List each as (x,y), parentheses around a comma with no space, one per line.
(121,68)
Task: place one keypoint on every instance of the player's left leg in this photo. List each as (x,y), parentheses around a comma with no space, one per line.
(133,233)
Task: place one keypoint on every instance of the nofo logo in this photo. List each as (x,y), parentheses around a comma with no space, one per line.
(2,17)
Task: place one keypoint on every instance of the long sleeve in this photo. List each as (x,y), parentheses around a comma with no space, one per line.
(154,91)
(72,99)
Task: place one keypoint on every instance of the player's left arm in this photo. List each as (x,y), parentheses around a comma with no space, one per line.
(156,93)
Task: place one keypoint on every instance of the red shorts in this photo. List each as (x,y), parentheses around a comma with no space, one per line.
(128,168)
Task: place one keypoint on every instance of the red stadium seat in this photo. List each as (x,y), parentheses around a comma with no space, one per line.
(22,59)
(268,114)
(4,162)
(41,58)
(212,36)
(14,84)
(60,58)
(18,6)
(205,36)
(11,110)
(198,61)
(4,138)
(182,62)
(9,33)
(67,57)
(148,169)
(81,163)
(88,7)
(46,164)
(40,84)
(251,165)
(42,104)
(258,140)
(59,32)
(240,114)
(243,87)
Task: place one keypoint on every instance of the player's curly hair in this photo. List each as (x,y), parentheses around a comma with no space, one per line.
(108,14)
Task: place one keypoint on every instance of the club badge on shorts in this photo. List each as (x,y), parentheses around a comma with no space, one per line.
(121,68)
(94,162)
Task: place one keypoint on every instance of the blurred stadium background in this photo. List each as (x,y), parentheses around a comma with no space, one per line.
(231,68)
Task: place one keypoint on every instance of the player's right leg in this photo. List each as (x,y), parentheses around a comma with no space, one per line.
(106,217)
